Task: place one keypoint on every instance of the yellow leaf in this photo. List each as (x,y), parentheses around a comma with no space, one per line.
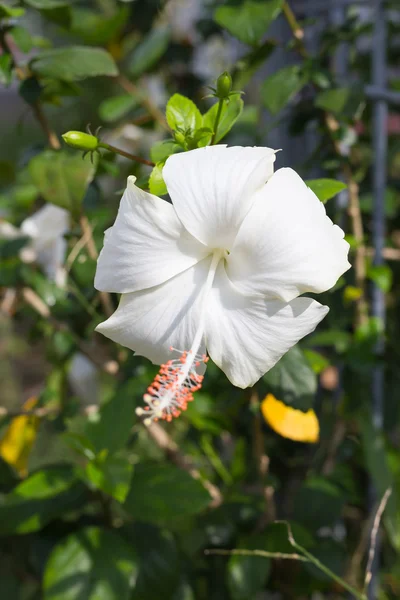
(20,435)
(289,422)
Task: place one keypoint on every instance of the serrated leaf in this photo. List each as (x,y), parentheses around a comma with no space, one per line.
(292,380)
(153,496)
(229,115)
(116,107)
(156,182)
(74,63)
(182,113)
(250,20)
(39,499)
(281,87)
(149,51)
(325,189)
(94,564)
(62,178)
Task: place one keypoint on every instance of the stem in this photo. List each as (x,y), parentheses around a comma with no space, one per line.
(321,566)
(262,553)
(217,119)
(139,159)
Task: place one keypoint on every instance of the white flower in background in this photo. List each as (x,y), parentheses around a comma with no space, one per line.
(213,57)
(182,16)
(47,246)
(83,377)
(218,271)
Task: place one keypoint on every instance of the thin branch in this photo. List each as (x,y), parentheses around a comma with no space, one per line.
(151,108)
(172,452)
(51,136)
(262,553)
(105,297)
(374,537)
(134,157)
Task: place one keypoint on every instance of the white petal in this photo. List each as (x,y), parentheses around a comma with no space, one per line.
(287,245)
(212,189)
(47,223)
(150,321)
(246,336)
(9,231)
(146,245)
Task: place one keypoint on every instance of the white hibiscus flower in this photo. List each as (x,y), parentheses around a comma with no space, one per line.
(218,271)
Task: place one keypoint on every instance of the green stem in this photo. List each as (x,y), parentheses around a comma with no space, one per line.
(126,154)
(322,567)
(261,553)
(217,119)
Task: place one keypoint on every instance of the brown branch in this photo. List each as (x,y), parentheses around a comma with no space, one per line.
(87,232)
(172,452)
(261,553)
(151,108)
(374,537)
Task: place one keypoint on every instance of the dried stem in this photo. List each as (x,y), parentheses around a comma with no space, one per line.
(262,553)
(87,232)
(151,108)
(374,537)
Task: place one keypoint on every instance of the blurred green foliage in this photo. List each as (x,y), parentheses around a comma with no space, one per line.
(109,510)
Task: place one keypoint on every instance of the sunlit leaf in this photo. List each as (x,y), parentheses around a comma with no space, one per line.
(325,189)
(290,423)
(17,442)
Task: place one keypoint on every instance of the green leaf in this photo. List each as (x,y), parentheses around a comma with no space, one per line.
(5,69)
(47,4)
(93,564)
(116,107)
(157,553)
(292,380)
(325,189)
(39,499)
(10,11)
(62,178)
(30,90)
(382,275)
(110,428)
(162,150)
(149,51)
(183,114)
(333,100)
(156,182)
(247,575)
(110,474)
(154,495)
(250,20)
(229,115)
(281,87)
(74,63)
(22,38)
(326,499)
(96,27)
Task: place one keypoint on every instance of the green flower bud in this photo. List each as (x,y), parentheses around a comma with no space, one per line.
(80,140)
(224,85)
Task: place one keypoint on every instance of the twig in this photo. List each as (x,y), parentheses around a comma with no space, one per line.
(151,108)
(217,119)
(34,301)
(262,553)
(374,537)
(294,25)
(172,452)
(105,297)
(139,159)
(51,136)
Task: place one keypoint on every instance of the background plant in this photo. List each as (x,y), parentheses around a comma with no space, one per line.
(93,505)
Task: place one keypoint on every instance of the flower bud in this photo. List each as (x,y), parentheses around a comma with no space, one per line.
(224,85)
(80,140)
(180,137)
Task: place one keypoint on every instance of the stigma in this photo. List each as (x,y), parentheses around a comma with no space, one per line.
(173,387)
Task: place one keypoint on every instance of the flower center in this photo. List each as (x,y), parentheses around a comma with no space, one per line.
(178,379)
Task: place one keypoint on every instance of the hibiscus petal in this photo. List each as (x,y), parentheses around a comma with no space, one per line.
(212,189)
(287,245)
(246,336)
(152,320)
(146,246)
(48,223)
